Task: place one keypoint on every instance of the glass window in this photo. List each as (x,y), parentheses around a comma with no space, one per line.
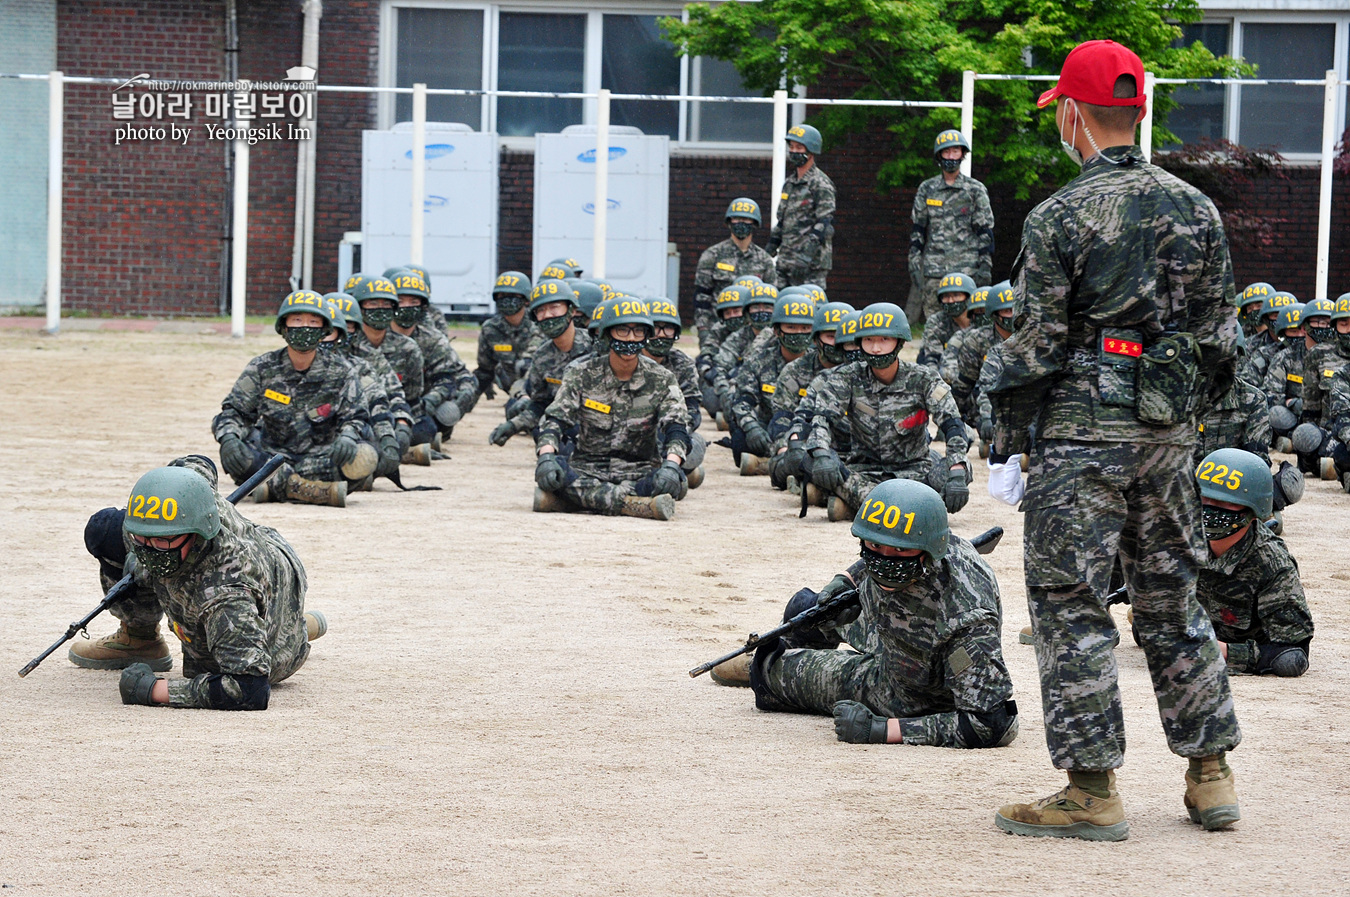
(1201,109)
(539,51)
(635,58)
(441,48)
(725,122)
(1282,116)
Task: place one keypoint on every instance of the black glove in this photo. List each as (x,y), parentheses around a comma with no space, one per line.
(757,440)
(403,433)
(1282,660)
(502,433)
(390,457)
(549,472)
(136,684)
(956,492)
(856,724)
(235,457)
(343,451)
(772,246)
(669,479)
(986,431)
(826,471)
(849,612)
(792,460)
(488,391)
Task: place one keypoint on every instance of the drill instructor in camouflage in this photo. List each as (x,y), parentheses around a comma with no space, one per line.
(801,242)
(722,264)
(234,598)
(952,229)
(1125,266)
(926,660)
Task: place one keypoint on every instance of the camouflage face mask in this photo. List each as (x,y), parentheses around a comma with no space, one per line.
(555,327)
(1323,334)
(303,339)
(626,347)
(832,353)
(1343,341)
(377,318)
(508,304)
(1220,523)
(797,160)
(165,562)
(892,572)
(660,346)
(409,315)
(742,229)
(761,317)
(949,165)
(954,309)
(881,362)
(795,342)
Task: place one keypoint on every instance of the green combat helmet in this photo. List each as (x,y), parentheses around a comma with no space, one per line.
(884,319)
(617,311)
(817,293)
(511,292)
(1237,477)
(956,282)
(588,297)
(847,335)
(1318,330)
(375,289)
(734,296)
(568,265)
(749,281)
(1342,311)
(1290,317)
(743,207)
(979,303)
(344,309)
(304,339)
(946,140)
(827,318)
(354,281)
(546,292)
(165,503)
(663,311)
(903,514)
(1001,298)
(1273,303)
(807,136)
(553,271)
(406,283)
(421,272)
(794,309)
(761,294)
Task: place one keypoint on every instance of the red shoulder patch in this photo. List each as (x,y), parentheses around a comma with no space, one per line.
(917,419)
(324,410)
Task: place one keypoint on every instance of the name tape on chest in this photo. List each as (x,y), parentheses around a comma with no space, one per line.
(725,266)
(783,195)
(502,347)
(596,406)
(935,202)
(554,380)
(767,387)
(1123,347)
(1294,378)
(277,396)
(1328,373)
(802,392)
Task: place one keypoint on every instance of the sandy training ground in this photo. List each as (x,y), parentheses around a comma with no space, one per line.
(501,705)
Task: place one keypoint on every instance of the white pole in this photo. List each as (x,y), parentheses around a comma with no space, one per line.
(419,174)
(601,182)
(239,257)
(1146,126)
(968,116)
(55,138)
(1324,200)
(779,171)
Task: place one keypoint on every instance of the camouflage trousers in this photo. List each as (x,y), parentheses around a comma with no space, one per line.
(1088,503)
(603,487)
(862,479)
(316,464)
(795,276)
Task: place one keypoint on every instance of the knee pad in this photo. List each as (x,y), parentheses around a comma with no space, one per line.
(1307,438)
(1282,420)
(1289,484)
(103,536)
(698,449)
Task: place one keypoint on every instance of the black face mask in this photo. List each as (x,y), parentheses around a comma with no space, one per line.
(1220,523)
(329,345)
(761,318)
(892,573)
(742,229)
(409,315)
(660,346)
(626,347)
(736,323)
(304,339)
(555,327)
(954,309)
(1324,334)
(169,561)
(1249,320)
(1006,324)
(795,342)
(949,165)
(880,362)
(508,304)
(832,353)
(853,354)
(1343,342)
(797,160)
(377,318)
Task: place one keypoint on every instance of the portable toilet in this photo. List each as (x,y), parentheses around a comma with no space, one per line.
(459,248)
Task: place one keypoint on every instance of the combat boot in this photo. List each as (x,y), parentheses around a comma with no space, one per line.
(695,477)
(316,492)
(547,502)
(418,454)
(367,484)
(1070,813)
(794,486)
(1326,468)
(1025,637)
(734,672)
(722,422)
(123,648)
(816,497)
(754,465)
(657,507)
(436,442)
(1211,800)
(1283,444)
(838,509)
(316,624)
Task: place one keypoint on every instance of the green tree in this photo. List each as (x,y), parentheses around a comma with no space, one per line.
(917,49)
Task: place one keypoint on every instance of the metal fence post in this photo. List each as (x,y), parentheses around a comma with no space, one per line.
(779,170)
(601,183)
(968,116)
(1146,126)
(55,138)
(1324,197)
(239,243)
(419,165)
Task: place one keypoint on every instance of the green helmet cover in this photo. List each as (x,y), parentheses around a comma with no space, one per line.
(170,501)
(304,301)
(734,296)
(555,272)
(794,309)
(407,283)
(1342,307)
(1239,477)
(883,319)
(1257,292)
(1276,301)
(828,315)
(979,301)
(1289,317)
(664,311)
(568,265)
(807,136)
(847,331)
(621,309)
(512,283)
(744,207)
(1319,308)
(956,282)
(904,513)
(948,139)
(749,280)
(588,295)
(354,281)
(546,291)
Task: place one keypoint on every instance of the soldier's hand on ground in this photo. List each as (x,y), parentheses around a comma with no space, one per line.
(826,471)
(549,472)
(488,391)
(757,440)
(502,433)
(668,479)
(855,724)
(956,492)
(403,433)
(137,682)
(389,457)
(343,451)
(235,457)
(791,460)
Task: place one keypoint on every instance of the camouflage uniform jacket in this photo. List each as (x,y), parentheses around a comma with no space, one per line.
(805,222)
(1240,419)
(1320,364)
(1284,375)
(682,366)
(789,390)
(501,346)
(298,412)
(1254,597)
(888,421)
(1337,409)
(939,640)
(962,361)
(721,265)
(445,377)
(1257,359)
(237,611)
(622,424)
(710,343)
(737,347)
(374,360)
(953,230)
(545,376)
(1123,245)
(404,357)
(989,374)
(804,415)
(372,392)
(756,383)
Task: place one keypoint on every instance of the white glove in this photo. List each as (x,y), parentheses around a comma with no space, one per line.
(1005,481)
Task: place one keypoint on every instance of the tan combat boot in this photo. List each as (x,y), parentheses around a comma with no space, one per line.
(363,465)
(123,648)
(695,477)
(658,507)
(754,465)
(1211,799)
(547,502)
(436,442)
(838,509)
(1326,467)
(734,672)
(722,422)
(316,624)
(1070,813)
(1025,637)
(316,492)
(794,486)
(816,497)
(418,454)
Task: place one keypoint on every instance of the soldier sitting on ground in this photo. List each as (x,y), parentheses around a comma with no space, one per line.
(504,336)
(925,664)
(730,309)
(792,386)
(387,416)
(378,302)
(234,593)
(304,404)
(666,328)
(793,321)
(954,294)
(449,388)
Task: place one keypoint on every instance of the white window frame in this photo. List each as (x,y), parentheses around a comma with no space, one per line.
(594,10)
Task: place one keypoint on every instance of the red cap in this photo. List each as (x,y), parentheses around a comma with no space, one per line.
(1090,72)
